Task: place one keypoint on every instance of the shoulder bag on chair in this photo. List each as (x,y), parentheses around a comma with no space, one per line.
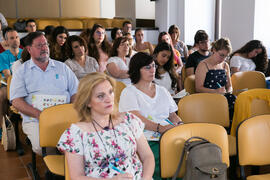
(8,134)
(203,161)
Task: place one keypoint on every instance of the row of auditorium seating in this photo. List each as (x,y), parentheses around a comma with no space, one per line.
(73,23)
(241,81)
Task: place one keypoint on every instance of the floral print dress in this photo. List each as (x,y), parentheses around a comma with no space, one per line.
(120,150)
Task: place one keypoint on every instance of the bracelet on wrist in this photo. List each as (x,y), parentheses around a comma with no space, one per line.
(180,122)
(158,127)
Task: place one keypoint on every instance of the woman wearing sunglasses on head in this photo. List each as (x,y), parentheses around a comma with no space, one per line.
(213,73)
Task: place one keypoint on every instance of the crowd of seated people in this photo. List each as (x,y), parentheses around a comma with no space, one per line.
(91,64)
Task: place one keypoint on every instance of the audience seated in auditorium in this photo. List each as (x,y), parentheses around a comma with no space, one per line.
(116,33)
(39,77)
(48,31)
(252,56)
(99,47)
(8,57)
(213,73)
(141,45)
(85,34)
(4,44)
(130,41)
(57,43)
(78,61)
(105,143)
(118,62)
(126,27)
(174,32)
(30,27)
(165,37)
(25,56)
(202,41)
(152,103)
(166,74)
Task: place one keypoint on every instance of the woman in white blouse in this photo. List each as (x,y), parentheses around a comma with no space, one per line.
(78,61)
(117,65)
(252,56)
(152,103)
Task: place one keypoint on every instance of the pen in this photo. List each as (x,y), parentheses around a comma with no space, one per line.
(115,168)
(219,86)
(168,121)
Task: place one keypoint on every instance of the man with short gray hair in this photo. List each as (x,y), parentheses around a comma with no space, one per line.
(37,79)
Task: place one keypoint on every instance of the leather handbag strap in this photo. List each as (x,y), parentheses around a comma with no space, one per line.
(179,164)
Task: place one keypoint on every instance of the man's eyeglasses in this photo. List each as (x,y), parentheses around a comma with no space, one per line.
(148,67)
(39,46)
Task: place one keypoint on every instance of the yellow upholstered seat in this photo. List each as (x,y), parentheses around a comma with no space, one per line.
(119,86)
(189,84)
(253,137)
(242,81)
(72,23)
(259,177)
(53,122)
(250,103)
(118,22)
(66,171)
(207,108)
(172,141)
(11,22)
(56,163)
(106,23)
(42,23)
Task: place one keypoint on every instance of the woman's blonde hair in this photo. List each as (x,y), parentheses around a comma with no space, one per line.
(222,44)
(84,93)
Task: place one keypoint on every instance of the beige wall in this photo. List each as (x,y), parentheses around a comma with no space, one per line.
(8,8)
(126,8)
(79,8)
(50,8)
(38,8)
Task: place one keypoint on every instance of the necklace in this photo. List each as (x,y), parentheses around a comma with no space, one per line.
(114,159)
(106,128)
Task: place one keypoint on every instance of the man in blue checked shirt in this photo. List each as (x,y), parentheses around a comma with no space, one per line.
(37,79)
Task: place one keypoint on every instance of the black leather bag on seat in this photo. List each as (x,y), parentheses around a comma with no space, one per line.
(203,161)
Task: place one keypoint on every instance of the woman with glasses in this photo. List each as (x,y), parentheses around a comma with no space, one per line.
(78,61)
(99,47)
(166,74)
(150,102)
(213,73)
(117,66)
(57,43)
(252,56)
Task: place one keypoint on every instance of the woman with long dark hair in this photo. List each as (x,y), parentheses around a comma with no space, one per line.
(57,43)
(99,47)
(252,56)
(166,74)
